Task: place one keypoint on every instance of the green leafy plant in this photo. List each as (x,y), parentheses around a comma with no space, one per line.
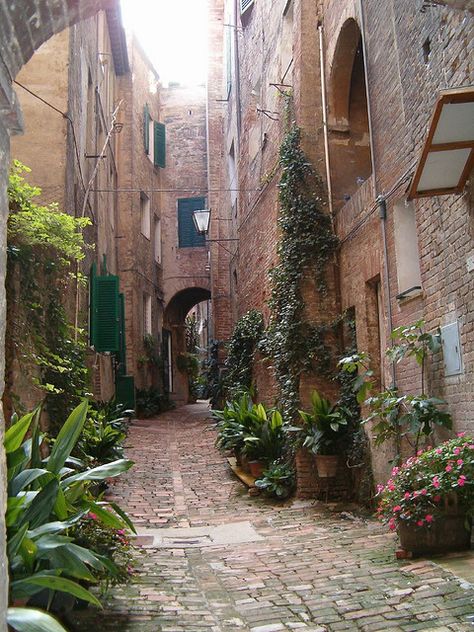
(268,439)
(241,352)
(307,244)
(420,489)
(278,480)
(150,402)
(32,620)
(104,432)
(398,415)
(236,421)
(46,497)
(43,243)
(323,426)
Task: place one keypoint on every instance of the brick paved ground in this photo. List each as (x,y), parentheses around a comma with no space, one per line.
(312,571)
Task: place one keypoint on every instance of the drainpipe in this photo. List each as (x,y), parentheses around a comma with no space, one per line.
(325,120)
(380,199)
(238,102)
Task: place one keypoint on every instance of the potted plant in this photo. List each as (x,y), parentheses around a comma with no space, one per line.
(277,480)
(429,499)
(266,442)
(322,429)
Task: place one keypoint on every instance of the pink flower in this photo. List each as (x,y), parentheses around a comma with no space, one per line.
(459,462)
(380,488)
(429,518)
(391,524)
(121,532)
(461,434)
(457,450)
(471,446)
(91,516)
(420,523)
(448,468)
(395,471)
(461,480)
(439,451)
(391,487)
(397,508)
(406,495)
(423,492)
(435,482)
(419,453)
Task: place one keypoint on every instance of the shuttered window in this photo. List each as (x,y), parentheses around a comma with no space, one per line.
(105,313)
(244,5)
(146,128)
(188,237)
(159,157)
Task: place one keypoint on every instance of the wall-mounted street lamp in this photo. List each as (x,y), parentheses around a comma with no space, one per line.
(447,158)
(201,219)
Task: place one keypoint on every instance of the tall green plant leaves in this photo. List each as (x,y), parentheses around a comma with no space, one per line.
(22,588)
(15,434)
(32,620)
(67,437)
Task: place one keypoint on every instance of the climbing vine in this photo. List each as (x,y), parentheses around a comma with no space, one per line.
(306,245)
(49,352)
(241,352)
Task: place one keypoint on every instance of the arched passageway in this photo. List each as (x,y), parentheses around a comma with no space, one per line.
(174,340)
(348,115)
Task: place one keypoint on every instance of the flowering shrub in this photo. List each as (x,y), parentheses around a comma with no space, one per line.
(113,544)
(421,488)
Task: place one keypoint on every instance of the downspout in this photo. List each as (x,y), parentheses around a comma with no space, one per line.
(380,199)
(325,121)
(238,102)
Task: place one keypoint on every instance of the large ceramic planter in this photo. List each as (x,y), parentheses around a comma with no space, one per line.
(446,534)
(326,465)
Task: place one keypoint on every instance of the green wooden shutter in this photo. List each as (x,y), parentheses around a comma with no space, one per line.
(188,237)
(159,159)
(125,391)
(146,128)
(122,356)
(105,330)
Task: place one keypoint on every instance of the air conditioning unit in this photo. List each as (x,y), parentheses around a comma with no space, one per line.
(245,5)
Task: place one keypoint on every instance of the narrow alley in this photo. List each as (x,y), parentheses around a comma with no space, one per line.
(218,560)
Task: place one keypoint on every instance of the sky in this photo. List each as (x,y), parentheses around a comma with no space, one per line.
(173,34)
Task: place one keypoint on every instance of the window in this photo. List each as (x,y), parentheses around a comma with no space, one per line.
(188,237)
(406,249)
(146,314)
(233,184)
(104,304)
(145,214)
(154,139)
(228,58)
(245,5)
(157,244)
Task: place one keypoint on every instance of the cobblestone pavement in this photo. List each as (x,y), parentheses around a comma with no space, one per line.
(311,571)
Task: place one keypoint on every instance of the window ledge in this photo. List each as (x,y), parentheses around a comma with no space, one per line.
(410,295)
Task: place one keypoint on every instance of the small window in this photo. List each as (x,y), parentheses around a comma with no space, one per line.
(233,184)
(145,214)
(146,314)
(286,41)
(406,249)
(157,244)
(245,5)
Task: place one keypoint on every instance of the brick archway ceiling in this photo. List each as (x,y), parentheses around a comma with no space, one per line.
(183,301)
(24,26)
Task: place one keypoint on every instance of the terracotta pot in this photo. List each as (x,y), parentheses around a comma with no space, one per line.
(256,468)
(326,465)
(447,533)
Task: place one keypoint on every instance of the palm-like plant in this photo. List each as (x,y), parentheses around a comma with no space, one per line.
(322,426)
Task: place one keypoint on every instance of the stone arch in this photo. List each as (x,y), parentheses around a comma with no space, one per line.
(174,317)
(348,119)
